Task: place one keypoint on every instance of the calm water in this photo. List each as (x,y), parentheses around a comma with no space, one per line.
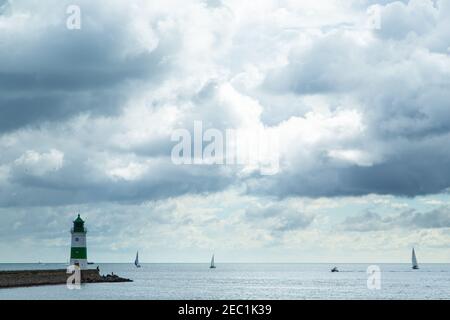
(248,281)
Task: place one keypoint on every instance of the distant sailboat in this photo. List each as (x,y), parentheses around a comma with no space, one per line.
(415,265)
(136,261)
(212,266)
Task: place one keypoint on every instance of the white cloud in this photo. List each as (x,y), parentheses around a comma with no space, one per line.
(352,156)
(39,164)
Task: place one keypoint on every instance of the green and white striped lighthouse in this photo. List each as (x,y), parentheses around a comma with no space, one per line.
(78,251)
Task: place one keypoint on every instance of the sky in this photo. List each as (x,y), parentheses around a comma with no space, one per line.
(357,91)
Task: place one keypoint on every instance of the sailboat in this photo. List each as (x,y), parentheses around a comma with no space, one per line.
(136,261)
(212,266)
(415,265)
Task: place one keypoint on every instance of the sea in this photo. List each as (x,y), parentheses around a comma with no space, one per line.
(161,281)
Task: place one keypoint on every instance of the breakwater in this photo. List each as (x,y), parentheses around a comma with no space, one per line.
(29,278)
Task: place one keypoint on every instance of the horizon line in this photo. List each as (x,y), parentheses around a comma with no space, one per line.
(228,262)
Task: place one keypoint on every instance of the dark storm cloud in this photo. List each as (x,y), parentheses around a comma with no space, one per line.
(79,183)
(55,74)
(414,168)
(34,110)
(409,219)
(50,73)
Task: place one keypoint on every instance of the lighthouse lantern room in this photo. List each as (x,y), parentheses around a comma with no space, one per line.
(78,251)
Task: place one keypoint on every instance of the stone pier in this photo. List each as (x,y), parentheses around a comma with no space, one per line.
(30,278)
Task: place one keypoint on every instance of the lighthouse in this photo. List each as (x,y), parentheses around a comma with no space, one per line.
(78,252)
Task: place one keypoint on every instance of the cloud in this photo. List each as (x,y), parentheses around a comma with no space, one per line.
(402,114)
(51,73)
(222,220)
(87,115)
(282,217)
(39,164)
(236,227)
(409,219)
(413,18)
(358,111)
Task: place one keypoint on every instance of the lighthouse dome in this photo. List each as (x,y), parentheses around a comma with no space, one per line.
(78,225)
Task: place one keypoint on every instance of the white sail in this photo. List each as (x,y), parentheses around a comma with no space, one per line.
(136,261)
(415,265)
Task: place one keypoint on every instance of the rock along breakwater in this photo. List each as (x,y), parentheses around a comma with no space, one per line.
(30,278)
